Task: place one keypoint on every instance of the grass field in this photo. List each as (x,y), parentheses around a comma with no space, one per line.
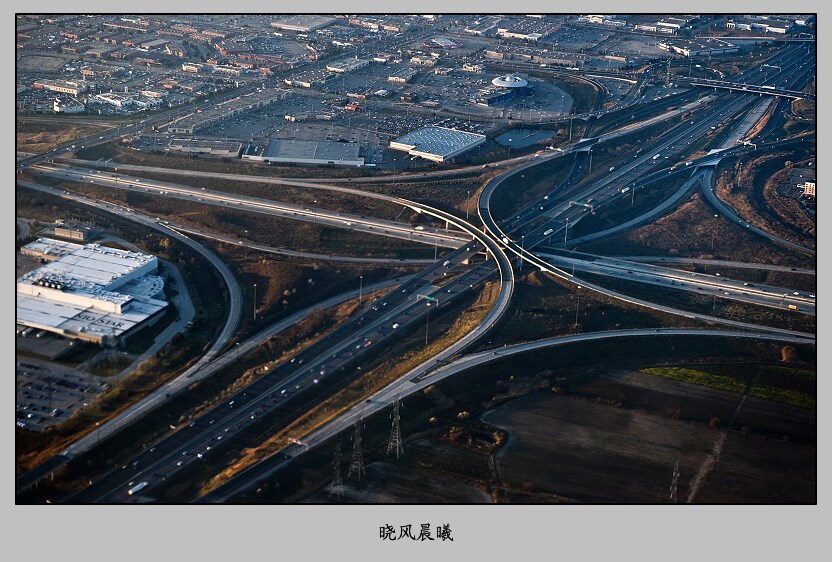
(43,136)
(692,230)
(698,376)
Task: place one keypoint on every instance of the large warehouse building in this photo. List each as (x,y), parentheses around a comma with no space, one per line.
(89,292)
(215,148)
(306,152)
(437,144)
(303,23)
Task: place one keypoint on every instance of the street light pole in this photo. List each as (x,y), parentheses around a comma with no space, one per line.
(467,203)
(566,230)
(577,307)
(571,116)
(255,302)
(522,249)
(427,325)
(360,287)
(713,234)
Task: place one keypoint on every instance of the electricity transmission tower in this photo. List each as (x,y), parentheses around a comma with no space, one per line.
(357,463)
(336,487)
(674,485)
(395,432)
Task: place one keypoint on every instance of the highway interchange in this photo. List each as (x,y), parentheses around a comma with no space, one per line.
(475,259)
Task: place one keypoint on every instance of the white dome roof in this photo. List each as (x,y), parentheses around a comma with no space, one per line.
(510,81)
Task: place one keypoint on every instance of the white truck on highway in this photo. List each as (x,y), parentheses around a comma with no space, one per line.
(135,489)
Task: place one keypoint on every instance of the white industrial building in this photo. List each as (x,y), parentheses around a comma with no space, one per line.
(306,152)
(437,144)
(116,99)
(88,292)
(707,47)
(347,65)
(71,105)
(303,23)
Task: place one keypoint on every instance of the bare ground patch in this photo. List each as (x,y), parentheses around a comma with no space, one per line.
(616,439)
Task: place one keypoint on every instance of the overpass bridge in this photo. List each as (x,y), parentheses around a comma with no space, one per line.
(748,88)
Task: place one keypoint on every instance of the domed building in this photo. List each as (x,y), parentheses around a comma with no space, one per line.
(510,81)
(502,88)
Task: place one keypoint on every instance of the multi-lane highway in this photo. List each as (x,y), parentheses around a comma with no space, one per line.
(315,215)
(383,398)
(333,356)
(716,285)
(570,208)
(418,379)
(342,351)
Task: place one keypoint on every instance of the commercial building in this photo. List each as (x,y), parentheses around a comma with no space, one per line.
(526,29)
(347,65)
(63,86)
(536,55)
(402,75)
(674,24)
(510,81)
(445,43)
(192,67)
(761,23)
(483,26)
(503,88)
(306,152)
(72,231)
(71,105)
(423,60)
(809,188)
(600,19)
(120,101)
(102,71)
(738,25)
(303,23)
(89,292)
(310,78)
(392,24)
(218,149)
(437,144)
(708,47)
(492,96)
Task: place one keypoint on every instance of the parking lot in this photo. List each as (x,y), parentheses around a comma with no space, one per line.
(47,395)
(577,38)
